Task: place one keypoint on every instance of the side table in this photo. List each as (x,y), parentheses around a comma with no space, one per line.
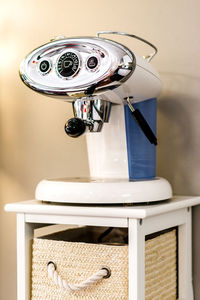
(140,220)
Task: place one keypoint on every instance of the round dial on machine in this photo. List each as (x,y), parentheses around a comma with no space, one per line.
(68,64)
(44,66)
(92,63)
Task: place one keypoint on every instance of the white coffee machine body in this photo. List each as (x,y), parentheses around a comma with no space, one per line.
(107,84)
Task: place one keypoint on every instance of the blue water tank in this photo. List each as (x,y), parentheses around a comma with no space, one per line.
(141,153)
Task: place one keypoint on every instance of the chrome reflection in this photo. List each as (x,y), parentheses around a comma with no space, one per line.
(116,63)
(93,111)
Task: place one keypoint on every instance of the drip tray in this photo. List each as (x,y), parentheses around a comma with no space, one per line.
(103,191)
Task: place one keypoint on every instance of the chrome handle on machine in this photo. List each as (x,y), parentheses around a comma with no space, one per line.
(147,57)
(89,113)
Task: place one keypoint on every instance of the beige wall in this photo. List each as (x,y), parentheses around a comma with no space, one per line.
(33,143)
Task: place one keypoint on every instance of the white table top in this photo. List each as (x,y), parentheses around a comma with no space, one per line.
(116,211)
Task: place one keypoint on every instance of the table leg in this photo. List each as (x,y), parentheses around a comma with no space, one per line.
(185,258)
(25,234)
(136,260)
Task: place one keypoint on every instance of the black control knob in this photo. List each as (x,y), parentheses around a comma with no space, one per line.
(75,127)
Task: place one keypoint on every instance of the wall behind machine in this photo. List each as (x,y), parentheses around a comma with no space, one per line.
(33,142)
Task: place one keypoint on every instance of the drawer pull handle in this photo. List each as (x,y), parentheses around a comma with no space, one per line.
(104,272)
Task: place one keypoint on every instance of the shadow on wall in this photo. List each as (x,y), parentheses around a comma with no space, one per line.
(178,157)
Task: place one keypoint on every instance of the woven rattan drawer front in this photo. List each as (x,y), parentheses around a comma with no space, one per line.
(77,261)
(161,267)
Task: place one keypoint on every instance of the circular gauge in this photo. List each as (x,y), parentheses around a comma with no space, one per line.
(92,63)
(68,64)
(44,66)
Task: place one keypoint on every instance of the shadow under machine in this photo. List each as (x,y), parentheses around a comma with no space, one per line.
(114,93)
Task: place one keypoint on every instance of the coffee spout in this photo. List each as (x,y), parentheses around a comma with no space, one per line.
(90,113)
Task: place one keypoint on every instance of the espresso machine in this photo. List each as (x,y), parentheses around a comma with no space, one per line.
(113,92)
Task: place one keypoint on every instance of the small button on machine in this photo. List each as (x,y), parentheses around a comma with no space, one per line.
(92,62)
(44,66)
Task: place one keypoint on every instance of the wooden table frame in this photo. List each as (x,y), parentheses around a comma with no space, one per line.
(140,221)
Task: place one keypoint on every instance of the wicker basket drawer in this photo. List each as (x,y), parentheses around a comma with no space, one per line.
(80,254)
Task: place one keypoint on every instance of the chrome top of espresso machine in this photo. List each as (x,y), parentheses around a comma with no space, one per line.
(113,91)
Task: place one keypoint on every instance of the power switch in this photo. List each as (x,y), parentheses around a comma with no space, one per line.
(44,67)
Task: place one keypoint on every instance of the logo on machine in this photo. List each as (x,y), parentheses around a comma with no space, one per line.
(68,63)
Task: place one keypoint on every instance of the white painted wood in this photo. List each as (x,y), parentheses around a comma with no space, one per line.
(144,220)
(24,242)
(164,221)
(141,211)
(189,253)
(136,260)
(185,258)
(74,220)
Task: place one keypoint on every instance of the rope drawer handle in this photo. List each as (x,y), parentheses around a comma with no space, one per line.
(104,272)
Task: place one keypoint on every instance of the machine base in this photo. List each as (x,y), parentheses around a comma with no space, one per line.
(99,191)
